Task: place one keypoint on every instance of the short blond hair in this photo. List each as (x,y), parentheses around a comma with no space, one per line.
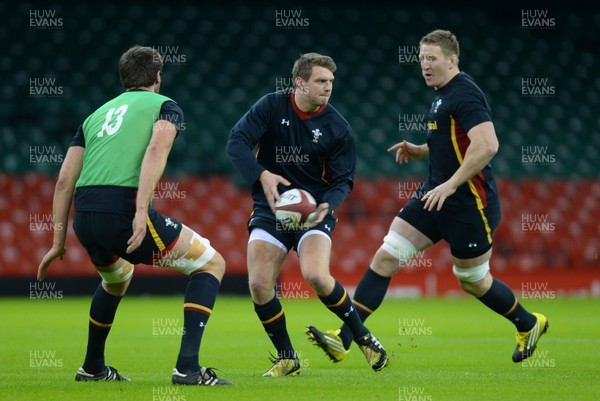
(446,40)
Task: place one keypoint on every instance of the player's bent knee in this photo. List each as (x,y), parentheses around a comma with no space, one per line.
(117,290)
(399,247)
(117,274)
(199,254)
(215,266)
(471,274)
(261,290)
(319,282)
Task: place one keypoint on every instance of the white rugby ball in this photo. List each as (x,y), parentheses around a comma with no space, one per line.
(294,208)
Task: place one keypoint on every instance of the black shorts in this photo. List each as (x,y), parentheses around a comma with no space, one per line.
(105,235)
(469,232)
(266,220)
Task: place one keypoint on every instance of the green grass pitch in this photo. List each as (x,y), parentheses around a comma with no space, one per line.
(440,349)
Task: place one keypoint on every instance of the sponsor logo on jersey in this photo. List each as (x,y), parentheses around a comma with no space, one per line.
(432,125)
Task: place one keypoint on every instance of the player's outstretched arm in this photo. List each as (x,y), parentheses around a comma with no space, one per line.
(481,150)
(61,206)
(269,183)
(406,151)
(153,165)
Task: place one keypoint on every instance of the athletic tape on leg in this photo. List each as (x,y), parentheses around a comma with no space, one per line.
(119,275)
(399,247)
(472,274)
(199,254)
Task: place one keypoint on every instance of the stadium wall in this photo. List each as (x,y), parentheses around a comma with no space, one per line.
(547,240)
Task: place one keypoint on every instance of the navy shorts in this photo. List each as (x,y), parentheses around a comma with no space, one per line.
(469,232)
(105,236)
(266,220)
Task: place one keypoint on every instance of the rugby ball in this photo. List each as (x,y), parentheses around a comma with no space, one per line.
(294,208)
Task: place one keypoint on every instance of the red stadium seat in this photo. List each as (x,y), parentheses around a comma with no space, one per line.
(217,209)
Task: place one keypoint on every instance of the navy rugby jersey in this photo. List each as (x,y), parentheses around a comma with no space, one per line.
(314,151)
(458,106)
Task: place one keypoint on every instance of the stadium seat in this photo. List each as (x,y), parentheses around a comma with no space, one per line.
(234,54)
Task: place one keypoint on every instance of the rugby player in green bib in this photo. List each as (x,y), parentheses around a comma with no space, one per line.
(115,160)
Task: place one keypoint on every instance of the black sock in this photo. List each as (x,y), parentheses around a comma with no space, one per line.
(368,296)
(340,303)
(272,317)
(102,313)
(199,301)
(502,300)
